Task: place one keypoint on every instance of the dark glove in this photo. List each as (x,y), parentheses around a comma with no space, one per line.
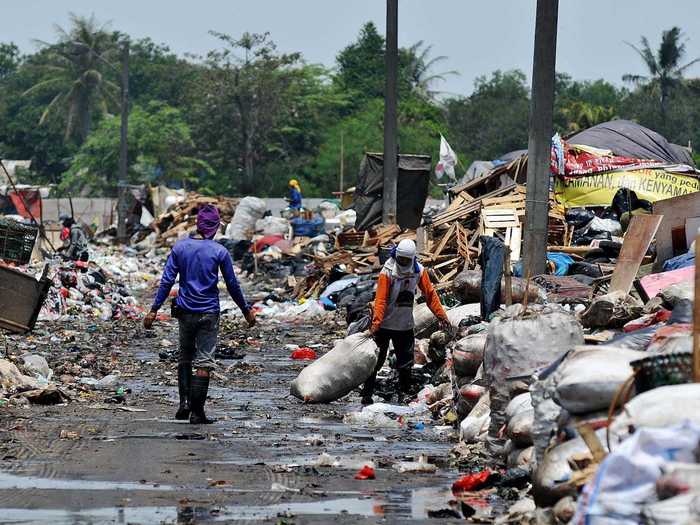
(148,320)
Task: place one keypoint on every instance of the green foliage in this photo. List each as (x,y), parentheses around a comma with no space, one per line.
(246,118)
(493,120)
(72,73)
(10,59)
(161,151)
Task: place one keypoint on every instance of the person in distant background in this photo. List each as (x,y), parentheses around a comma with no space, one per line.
(75,241)
(294,195)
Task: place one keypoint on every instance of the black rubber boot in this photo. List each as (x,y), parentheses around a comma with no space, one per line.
(368,390)
(198,396)
(404,386)
(184,381)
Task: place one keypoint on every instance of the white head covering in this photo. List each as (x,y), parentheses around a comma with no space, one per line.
(406,248)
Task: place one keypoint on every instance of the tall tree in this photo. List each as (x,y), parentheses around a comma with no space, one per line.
(419,66)
(73,72)
(665,69)
(241,99)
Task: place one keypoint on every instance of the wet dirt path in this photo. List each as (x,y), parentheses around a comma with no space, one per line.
(95,462)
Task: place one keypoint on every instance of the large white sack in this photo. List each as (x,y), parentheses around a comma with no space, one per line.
(661,407)
(627,478)
(519,345)
(338,372)
(468,354)
(425,323)
(552,474)
(272,226)
(474,427)
(519,428)
(248,212)
(589,377)
(518,404)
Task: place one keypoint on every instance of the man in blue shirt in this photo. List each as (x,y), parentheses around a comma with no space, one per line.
(197,260)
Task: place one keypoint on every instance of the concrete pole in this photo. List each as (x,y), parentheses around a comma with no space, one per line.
(540,137)
(391,168)
(123,149)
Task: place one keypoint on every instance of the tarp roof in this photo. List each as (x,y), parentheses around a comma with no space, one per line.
(628,139)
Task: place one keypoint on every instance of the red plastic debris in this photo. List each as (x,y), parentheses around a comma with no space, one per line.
(304,353)
(365,472)
(471,481)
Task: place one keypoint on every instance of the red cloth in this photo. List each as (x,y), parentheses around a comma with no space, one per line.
(33,200)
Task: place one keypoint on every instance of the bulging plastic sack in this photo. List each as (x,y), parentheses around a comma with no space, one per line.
(475,426)
(519,428)
(468,354)
(248,212)
(664,406)
(612,310)
(425,323)
(519,346)
(272,226)
(589,377)
(338,372)
(519,403)
(37,366)
(467,287)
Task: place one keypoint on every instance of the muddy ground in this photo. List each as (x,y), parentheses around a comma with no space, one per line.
(108,459)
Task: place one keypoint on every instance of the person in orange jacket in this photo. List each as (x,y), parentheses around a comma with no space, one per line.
(393,312)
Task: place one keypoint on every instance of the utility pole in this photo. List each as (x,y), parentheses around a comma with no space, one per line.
(123,147)
(540,137)
(342,161)
(391,168)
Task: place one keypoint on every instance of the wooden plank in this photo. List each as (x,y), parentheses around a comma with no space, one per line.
(500,218)
(675,212)
(638,237)
(655,282)
(515,242)
(445,239)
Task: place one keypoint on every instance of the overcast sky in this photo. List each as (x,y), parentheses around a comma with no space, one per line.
(477,36)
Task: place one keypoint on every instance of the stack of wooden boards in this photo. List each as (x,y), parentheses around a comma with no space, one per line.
(182,217)
(454,233)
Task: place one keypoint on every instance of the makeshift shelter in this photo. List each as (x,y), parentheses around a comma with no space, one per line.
(411,191)
(625,138)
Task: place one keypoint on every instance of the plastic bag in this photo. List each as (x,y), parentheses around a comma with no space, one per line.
(474,427)
(338,372)
(589,377)
(248,212)
(519,403)
(517,347)
(626,478)
(491,261)
(467,288)
(519,428)
(468,354)
(664,406)
(272,226)
(612,310)
(579,217)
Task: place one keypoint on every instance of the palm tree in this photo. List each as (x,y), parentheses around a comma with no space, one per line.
(73,75)
(419,69)
(665,71)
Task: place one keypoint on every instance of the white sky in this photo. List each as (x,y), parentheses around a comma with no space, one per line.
(477,36)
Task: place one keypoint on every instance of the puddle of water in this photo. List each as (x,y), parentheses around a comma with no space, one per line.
(407,505)
(10,482)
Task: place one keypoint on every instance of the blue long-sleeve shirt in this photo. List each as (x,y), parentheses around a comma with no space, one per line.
(294,198)
(197,262)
